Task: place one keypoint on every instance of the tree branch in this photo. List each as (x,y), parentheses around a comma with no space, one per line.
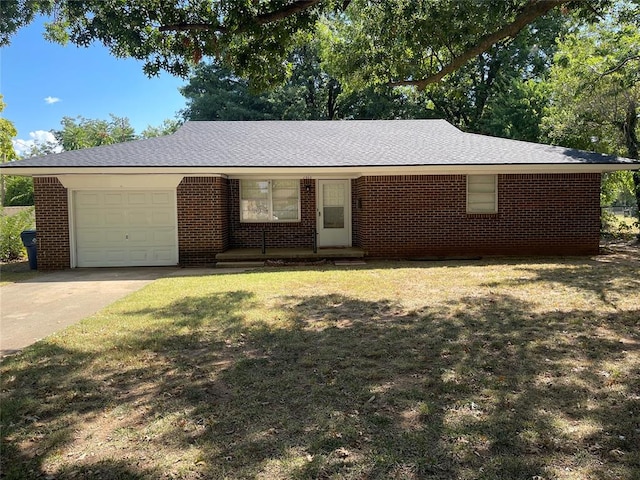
(619,66)
(289,10)
(530,12)
(191,27)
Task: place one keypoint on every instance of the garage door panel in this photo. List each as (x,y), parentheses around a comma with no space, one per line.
(138,255)
(161,198)
(164,237)
(112,218)
(125,228)
(157,237)
(116,256)
(115,198)
(101,237)
(162,256)
(91,257)
(88,218)
(138,198)
(161,217)
(87,199)
(138,217)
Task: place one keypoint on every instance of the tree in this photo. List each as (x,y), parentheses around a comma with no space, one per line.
(374,42)
(420,43)
(214,93)
(7,153)
(80,132)
(595,93)
(167,127)
(501,92)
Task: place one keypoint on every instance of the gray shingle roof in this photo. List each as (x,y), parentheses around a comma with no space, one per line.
(360,143)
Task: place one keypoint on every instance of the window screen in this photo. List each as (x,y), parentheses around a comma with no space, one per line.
(482,194)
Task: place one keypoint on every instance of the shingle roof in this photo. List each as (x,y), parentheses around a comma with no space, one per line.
(361,143)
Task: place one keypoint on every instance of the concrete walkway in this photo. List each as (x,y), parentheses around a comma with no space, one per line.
(43,305)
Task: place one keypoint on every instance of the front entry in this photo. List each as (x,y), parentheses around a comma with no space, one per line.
(334,213)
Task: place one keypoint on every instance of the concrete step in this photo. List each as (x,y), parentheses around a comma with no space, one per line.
(239,264)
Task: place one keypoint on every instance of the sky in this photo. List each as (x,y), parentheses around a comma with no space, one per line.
(42,82)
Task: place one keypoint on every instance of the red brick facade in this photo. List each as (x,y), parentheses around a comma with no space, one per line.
(52,223)
(392,216)
(542,214)
(203,219)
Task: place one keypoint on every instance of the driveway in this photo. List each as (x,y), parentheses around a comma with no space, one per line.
(43,305)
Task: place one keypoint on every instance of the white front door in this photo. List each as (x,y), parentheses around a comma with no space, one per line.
(124,228)
(334,213)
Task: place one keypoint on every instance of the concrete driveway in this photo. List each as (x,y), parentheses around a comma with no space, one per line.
(43,305)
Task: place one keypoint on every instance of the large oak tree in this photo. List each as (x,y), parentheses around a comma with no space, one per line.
(399,42)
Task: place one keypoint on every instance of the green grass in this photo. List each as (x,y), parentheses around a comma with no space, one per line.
(472,370)
(15,272)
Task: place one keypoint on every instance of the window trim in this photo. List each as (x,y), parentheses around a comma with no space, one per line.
(494,210)
(270,199)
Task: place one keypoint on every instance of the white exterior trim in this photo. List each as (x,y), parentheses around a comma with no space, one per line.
(320,172)
(115,182)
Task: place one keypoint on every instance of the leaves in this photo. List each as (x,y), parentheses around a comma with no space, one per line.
(80,132)
(7,132)
(367,42)
(595,96)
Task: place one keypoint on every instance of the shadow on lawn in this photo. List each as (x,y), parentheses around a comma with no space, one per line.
(344,388)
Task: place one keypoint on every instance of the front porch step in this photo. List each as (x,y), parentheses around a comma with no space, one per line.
(255,254)
(239,264)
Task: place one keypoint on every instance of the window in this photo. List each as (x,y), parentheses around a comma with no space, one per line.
(269,200)
(482,193)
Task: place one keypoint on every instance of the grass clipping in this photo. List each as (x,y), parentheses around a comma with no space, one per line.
(468,370)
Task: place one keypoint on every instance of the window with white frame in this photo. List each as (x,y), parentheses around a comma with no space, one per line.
(269,200)
(482,193)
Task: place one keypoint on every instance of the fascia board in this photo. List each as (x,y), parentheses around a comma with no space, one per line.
(342,172)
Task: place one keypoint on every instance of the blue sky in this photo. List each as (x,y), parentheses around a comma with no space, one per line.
(42,82)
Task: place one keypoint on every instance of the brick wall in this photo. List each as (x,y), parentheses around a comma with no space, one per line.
(52,220)
(203,219)
(277,235)
(393,217)
(410,216)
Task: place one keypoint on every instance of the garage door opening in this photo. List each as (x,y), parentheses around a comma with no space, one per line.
(125,228)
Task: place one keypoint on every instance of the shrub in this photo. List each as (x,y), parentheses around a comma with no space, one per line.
(618,227)
(18,191)
(11,226)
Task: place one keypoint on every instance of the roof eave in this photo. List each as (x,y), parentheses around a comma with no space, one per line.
(351,171)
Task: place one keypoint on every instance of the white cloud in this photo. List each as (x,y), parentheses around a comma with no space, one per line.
(52,100)
(39,138)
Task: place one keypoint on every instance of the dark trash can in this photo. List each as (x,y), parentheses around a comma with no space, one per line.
(29,241)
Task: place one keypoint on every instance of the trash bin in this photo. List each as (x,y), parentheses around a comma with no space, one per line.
(29,241)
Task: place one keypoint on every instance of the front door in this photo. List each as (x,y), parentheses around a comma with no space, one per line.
(334,213)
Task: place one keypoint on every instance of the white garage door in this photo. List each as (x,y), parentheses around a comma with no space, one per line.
(122,228)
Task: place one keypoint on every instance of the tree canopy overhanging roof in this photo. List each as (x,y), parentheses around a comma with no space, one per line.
(394,42)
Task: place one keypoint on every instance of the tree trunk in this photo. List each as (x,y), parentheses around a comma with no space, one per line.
(632,144)
(333,90)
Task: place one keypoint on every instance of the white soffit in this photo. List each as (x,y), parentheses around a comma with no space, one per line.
(125,181)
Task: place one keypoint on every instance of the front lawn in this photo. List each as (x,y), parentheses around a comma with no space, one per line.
(13,272)
(473,370)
